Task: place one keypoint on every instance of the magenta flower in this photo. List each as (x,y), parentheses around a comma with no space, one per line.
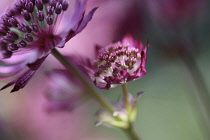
(172,12)
(118,63)
(65,91)
(30,29)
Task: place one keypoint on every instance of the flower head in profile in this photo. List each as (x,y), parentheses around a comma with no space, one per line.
(30,29)
(118,63)
(64,92)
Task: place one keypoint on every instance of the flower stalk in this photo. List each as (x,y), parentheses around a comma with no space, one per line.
(131,133)
(77,73)
(129,130)
(202,96)
(125,97)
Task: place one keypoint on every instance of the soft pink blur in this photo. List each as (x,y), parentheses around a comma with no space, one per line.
(24,109)
(173,12)
(103,28)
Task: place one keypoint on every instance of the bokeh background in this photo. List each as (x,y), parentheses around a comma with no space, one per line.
(178,31)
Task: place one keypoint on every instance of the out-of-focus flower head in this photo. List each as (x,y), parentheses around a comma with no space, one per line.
(174,12)
(118,63)
(133,21)
(30,29)
(64,92)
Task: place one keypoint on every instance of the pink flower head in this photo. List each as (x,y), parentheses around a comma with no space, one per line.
(30,29)
(172,12)
(64,92)
(118,63)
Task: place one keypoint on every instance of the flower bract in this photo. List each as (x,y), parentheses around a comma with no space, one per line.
(30,29)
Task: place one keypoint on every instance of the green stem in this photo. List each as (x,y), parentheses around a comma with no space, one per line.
(125,97)
(202,96)
(131,133)
(104,103)
(130,130)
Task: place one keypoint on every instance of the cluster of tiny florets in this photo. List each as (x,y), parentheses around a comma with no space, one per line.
(20,25)
(115,61)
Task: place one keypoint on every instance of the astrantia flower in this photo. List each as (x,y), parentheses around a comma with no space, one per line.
(64,92)
(118,63)
(30,29)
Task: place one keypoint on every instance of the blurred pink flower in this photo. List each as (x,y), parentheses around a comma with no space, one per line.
(173,12)
(118,63)
(64,91)
(30,29)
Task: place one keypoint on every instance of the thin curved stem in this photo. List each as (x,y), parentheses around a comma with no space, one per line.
(130,130)
(131,133)
(203,95)
(104,103)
